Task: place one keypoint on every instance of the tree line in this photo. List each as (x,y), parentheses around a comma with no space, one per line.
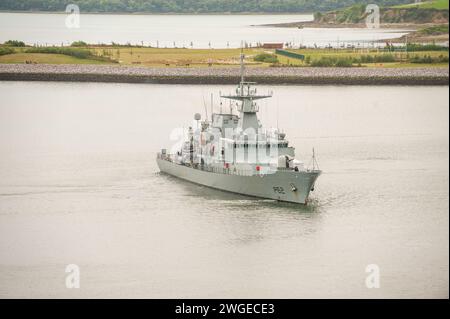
(189,6)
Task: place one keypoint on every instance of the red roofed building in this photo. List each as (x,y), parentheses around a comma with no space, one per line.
(272,45)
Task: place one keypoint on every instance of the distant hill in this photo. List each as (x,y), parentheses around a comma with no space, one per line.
(190,6)
(434,4)
(404,14)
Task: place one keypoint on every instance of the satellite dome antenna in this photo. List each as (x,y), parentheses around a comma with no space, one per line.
(197,118)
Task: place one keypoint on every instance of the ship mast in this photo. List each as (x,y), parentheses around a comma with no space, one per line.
(246,96)
(242,69)
(244,91)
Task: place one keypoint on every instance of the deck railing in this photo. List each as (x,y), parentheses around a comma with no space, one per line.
(220,170)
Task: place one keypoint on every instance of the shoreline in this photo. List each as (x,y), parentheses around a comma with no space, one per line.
(272,76)
(161,13)
(320,25)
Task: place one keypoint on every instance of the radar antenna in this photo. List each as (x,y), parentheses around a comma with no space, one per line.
(244,91)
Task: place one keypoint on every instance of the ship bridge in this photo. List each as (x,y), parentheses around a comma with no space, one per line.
(247,108)
(248,136)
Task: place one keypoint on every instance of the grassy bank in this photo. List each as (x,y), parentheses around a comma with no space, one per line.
(125,55)
(433,4)
(368,58)
(82,53)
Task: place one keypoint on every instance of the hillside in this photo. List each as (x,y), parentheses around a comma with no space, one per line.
(434,4)
(389,15)
(190,6)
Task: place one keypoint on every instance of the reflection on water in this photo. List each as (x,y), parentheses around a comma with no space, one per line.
(79,184)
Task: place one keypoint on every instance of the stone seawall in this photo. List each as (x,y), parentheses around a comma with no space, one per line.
(225,75)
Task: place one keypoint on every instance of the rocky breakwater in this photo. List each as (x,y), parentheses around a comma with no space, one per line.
(225,75)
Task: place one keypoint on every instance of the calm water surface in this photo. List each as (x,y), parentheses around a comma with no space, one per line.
(220,31)
(79,185)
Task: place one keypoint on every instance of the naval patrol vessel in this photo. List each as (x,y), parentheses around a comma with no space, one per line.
(233,152)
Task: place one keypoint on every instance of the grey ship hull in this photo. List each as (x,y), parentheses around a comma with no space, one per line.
(287,186)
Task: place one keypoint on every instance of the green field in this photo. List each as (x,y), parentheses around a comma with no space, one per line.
(151,57)
(174,57)
(402,59)
(193,58)
(43,58)
(436,4)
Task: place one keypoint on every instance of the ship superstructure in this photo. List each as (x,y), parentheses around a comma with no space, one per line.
(235,153)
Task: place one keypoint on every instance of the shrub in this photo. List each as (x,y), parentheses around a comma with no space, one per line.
(14,43)
(429,59)
(353,14)
(77,53)
(5,51)
(266,57)
(346,62)
(341,62)
(74,52)
(384,58)
(411,47)
(308,59)
(318,16)
(443,59)
(365,59)
(79,44)
(322,62)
